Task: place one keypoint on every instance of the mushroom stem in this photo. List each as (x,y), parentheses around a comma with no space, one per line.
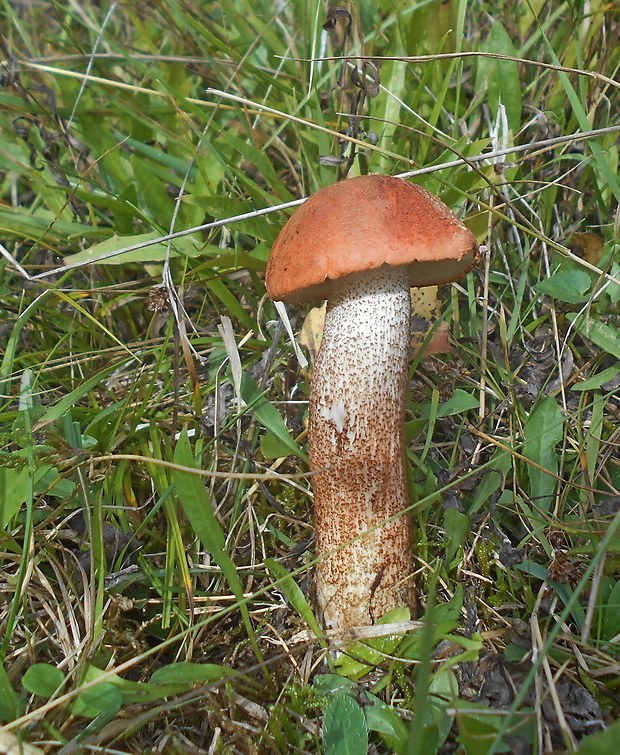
(356,431)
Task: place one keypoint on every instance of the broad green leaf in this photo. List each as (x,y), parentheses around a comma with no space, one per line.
(443,689)
(606,337)
(344,727)
(611,613)
(104,253)
(492,480)
(211,168)
(477,731)
(361,657)
(38,223)
(15,487)
(194,497)
(478,727)
(567,285)
(456,527)
(444,616)
(613,292)
(461,401)
(106,149)
(543,431)
(10,701)
(152,192)
(186,672)
(104,698)
(387,722)
(43,679)
(324,684)
(536,570)
(272,448)
(603,743)
(598,380)
(48,479)
(139,692)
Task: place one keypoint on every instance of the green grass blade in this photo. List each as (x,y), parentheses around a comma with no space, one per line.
(194,497)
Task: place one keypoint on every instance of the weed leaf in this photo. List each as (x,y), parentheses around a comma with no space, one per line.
(606,337)
(566,285)
(43,679)
(344,727)
(604,742)
(543,431)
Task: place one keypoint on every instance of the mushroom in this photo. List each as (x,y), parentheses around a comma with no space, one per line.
(361,244)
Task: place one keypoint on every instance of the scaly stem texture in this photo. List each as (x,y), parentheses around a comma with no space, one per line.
(356,428)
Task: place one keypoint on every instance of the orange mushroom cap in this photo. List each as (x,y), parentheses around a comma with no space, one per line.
(361,224)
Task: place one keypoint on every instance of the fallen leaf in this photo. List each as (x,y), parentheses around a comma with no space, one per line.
(12,745)
(588,246)
(312,330)
(425,311)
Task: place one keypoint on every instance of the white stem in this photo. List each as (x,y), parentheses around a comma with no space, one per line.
(356,428)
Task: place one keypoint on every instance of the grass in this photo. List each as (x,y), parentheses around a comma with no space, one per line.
(155,509)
